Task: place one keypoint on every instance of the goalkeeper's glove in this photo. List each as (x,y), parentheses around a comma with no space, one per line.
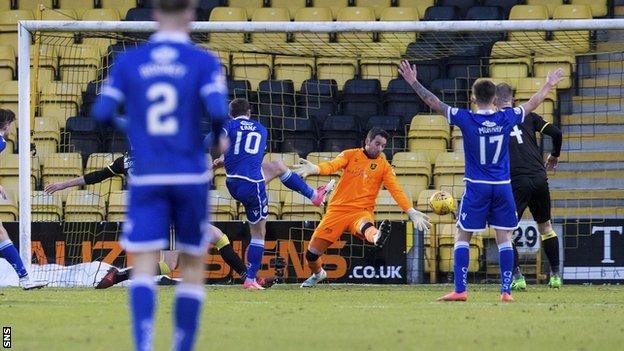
(306,168)
(420,220)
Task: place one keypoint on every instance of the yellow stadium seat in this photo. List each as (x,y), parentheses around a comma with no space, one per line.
(382,66)
(46,207)
(85,206)
(249,5)
(509,72)
(270,15)
(313,14)
(100,15)
(420,5)
(97,161)
(61,167)
(121,6)
(448,173)
(8,210)
(8,95)
(47,60)
(446,243)
(8,25)
(5,5)
(9,172)
(598,7)
(378,6)
(386,208)
(413,170)
(457,139)
(228,14)
(274,207)
(339,69)
(528,12)
(543,65)
(550,5)
(297,69)
(222,206)
(80,6)
(291,5)
(58,98)
(399,40)
(60,15)
(251,67)
(117,205)
(46,135)
(430,134)
(577,40)
(297,207)
(356,14)
(7,63)
(289,160)
(333,5)
(80,65)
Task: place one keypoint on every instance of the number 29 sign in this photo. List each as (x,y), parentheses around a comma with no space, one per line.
(526,237)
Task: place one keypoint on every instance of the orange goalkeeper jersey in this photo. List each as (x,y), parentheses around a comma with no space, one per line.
(361,181)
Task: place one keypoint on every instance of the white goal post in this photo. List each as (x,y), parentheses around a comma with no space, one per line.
(26,28)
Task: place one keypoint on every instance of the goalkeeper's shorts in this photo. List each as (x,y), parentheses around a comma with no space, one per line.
(336,222)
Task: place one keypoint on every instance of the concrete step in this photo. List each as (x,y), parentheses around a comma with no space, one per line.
(593,119)
(589,166)
(587,194)
(582,104)
(602,67)
(591,156)
(593,129)
(601,91)
(588,203)
(597,142)
(576,182)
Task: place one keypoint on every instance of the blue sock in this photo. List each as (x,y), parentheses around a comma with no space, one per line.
(9,252)
(506,263)
(255,251)
(294,182)
(187,309)
(462,259)
(142,296)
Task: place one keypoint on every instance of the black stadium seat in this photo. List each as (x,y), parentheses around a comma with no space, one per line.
(361,98)
(139,14)
(276,101)
(452,91)
(485,13)
(401,100)
(340,133)
(391,124)
(506,5)
(84,135)
(462,5)
(299,135)
(317,100)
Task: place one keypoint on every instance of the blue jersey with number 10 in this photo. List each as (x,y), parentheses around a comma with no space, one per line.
(248,140)
(486,142)
(166,85)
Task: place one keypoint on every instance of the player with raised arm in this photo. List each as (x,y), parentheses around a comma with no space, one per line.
(121,166)
(7,249)
(243,142)
(529,181)
(167,86)
(351,208)
(488,199)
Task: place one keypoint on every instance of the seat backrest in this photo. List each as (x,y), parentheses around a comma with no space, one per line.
(276,87)
(341,123)
(139,14)
(12,16)
(492,13)
(81,125)
(362,86)
(550,5)
(378,6)
(442,13)
(59,15)
(320,87)
(387,123)
(100,15)
(462,5)
(572,12)
(399,14)
(506,5)
(356,14)
(529,12)
(228,14)
(272,14)
(313,14)
(291,5)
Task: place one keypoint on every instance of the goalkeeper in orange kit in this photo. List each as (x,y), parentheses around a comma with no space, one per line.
(351,207)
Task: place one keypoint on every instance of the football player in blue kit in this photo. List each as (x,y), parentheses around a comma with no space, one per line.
(488,198)
(243,142)
(167,86)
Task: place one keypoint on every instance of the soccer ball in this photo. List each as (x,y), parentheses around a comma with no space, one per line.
(441,202)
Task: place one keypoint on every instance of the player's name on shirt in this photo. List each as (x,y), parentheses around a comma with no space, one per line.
(163,64)
(244,125)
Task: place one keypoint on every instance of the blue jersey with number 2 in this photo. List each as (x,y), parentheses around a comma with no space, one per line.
(486,142)
(248,140)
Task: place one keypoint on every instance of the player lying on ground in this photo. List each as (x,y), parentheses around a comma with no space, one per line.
(7,249)
(530,182)
(488,198)
(168,87)
(121,167)
(243,143)
(351,208)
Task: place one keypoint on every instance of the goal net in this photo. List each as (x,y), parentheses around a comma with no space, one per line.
(318,87)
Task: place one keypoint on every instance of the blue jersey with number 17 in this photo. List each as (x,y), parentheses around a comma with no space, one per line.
(248,140)
(486,142)
(166,86)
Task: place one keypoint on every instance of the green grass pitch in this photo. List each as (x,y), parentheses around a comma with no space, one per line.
(329,317)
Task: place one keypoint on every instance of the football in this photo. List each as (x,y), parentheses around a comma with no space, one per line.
(442,202)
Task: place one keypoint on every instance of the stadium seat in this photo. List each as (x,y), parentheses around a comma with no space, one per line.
(46,136)
(297,69)
(276,102)
(334,5)
(528,12)
(543,65)
(61,167)
(381,69)
(420,5)
(8,95)
(101,15)
(391,124)
(85,206)
(60,99)
(228,14)
(9,172)
(457,139)
(121,6)
(7,63)
(508,71)
(139,14)
(340,133)
(453,92)
(270,15)
(413,170)
(313,14)
(298,208)
(239,89)
(466,68)
(400,100)
(84,135)
(249,5)
(599,8)
(251,67)
(205,7)
(31,4)
(317,100)
(340,69)
(430,134)
(222,206)
(387,208)
(446,242)
(115,141)
(462,5)
(9,211)
(46,207)
(97,161)
(78,6)
(398,39)
(448,173)
(378,6)
(428,70)
(361,98)
(298,135)
(117,204)
(577,40)
(550,5)
(291,5)
(476,39)
(289,159)
(356,14)
(8,25)
(506,5)
(80,65)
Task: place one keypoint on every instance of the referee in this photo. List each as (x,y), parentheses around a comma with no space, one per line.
(530,182)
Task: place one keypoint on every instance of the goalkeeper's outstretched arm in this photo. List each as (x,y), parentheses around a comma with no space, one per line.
(409,74)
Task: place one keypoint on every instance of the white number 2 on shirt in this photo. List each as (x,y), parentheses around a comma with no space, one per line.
(498,139)
(252,137)
(159,119)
